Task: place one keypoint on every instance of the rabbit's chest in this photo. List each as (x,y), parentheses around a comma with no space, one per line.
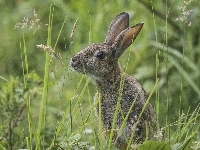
(107,104)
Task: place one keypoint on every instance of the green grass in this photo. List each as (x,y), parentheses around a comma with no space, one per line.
(44,104)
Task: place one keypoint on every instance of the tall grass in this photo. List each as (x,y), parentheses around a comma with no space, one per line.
(65,119)
(42,116)
(25,70)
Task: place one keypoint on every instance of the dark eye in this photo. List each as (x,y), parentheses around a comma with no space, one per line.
(101,55)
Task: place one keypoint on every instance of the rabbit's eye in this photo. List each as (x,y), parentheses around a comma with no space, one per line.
(101,55)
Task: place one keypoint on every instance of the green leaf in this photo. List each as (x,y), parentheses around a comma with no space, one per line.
(1,147)
(185,145)
(154,145)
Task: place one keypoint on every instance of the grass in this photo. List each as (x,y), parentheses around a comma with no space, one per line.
(42,116)
(54,108)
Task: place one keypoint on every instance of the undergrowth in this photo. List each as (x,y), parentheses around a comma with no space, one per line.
(55,111)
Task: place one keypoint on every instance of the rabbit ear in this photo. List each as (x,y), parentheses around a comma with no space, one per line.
(125,39)
(119,23)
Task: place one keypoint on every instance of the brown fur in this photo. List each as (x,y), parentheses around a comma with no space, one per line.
(100,61)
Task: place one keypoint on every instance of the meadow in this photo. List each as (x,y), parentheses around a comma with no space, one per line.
(44,104)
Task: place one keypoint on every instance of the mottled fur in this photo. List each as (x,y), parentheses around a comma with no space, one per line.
(100,61)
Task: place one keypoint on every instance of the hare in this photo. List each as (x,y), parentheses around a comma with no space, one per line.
(119,92)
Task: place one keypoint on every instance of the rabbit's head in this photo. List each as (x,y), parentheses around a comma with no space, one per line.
(101,60)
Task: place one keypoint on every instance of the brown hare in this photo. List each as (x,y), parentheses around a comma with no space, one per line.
(135,120)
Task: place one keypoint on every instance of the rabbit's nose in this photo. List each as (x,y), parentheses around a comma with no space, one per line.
(73,59)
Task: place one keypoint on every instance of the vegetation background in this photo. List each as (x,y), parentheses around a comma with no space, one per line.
(45,105)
